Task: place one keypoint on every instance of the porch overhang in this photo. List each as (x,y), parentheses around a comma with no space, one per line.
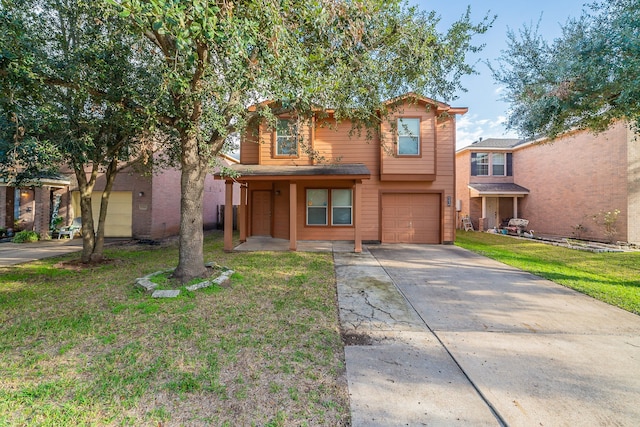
(352,171)
(497,190)
(54,181)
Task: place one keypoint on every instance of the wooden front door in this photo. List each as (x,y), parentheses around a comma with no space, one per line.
(261,213)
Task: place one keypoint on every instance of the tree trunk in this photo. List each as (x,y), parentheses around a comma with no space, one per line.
(191,252)
(110,177)
(88,236)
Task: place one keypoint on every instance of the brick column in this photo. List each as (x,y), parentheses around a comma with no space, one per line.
(3,207)
(42,211)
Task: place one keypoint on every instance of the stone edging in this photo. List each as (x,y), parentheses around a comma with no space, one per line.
(146,283)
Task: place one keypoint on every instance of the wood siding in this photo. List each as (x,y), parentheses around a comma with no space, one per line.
(425,163)
(333,143)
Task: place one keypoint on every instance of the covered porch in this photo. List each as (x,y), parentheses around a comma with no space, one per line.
(280,202)
(498,202)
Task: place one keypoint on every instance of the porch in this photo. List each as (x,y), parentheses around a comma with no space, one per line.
(292,204)
(265,243)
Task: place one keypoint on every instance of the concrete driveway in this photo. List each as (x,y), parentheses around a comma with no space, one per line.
(17,253)
(437,335)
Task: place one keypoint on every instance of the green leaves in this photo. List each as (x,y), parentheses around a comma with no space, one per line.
(585,79)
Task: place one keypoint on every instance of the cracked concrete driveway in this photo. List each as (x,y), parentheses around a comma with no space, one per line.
(437,335)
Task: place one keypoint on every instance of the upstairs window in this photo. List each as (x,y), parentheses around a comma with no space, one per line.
(491,164)
(408,137)
(482,164)
(497,164)
(286,138)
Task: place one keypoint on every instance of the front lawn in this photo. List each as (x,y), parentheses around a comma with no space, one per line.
(612,277)
(84,347)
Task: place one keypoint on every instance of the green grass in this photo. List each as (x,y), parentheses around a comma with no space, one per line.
(83,346)
(612,277)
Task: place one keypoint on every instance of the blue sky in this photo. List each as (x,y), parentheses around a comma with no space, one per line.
(486,112)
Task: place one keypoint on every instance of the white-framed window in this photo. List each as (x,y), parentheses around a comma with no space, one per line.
(317,206)
(498,164)
(491,164)
(341,207)
(330,206)
(482,164)
(286,138)
(408,137)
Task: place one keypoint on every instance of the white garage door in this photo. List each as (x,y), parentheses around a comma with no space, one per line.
(411,218)
(119,214)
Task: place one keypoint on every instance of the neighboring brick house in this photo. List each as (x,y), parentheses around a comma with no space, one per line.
(397,187)
(140,206)
(563,183)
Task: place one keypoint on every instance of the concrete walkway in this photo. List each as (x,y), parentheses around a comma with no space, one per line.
(18,253)
(441,336)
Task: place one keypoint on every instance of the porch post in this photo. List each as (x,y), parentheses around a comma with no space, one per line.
(515,207)
(293,216)
(41,214)
(242,213)
(228,216)
(3,206)
(357,244)
(482,222)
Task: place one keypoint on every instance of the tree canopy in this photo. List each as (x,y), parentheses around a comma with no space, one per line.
(220,57)
(193,68)
(73,90)
(585,79)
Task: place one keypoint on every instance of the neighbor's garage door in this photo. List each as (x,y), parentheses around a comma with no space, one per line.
(410,218)
(119,213)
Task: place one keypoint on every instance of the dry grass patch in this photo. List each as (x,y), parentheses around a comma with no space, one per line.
(83,346)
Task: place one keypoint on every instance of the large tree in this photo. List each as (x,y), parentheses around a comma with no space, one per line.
(221,56)
(75,91)
(585,79)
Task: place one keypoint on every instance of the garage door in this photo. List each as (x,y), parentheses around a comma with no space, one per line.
(411,218)
(119,214)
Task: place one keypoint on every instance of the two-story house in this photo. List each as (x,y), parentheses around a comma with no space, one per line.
(486,191)
(563,187)
(394,188)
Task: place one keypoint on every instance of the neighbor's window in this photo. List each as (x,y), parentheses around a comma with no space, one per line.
(341,207)
(286,138)
(408,137)
(497,164)
(317,202)
(482,164)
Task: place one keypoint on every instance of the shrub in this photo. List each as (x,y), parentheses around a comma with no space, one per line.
(26,236)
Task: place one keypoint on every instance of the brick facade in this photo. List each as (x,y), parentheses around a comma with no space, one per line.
(571,180)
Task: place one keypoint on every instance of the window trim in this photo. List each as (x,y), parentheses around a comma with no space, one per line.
(399,135)
(294,126)
(333,206)
(329,207)
(325,206)
(476,164)
(480,164)
(504,164)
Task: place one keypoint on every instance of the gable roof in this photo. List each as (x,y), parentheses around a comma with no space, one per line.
(441,107)
(493,144)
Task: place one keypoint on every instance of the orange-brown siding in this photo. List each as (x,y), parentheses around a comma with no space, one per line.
(333,143)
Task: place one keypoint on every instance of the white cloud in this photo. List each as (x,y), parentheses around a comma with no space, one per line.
(470,128)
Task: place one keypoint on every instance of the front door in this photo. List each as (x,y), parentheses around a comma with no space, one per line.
(261,213)
(492,212)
